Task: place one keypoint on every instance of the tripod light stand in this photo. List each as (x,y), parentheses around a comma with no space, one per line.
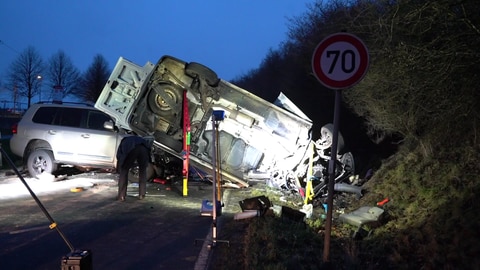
(217,116)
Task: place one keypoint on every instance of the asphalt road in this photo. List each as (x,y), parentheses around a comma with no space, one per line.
(163,231)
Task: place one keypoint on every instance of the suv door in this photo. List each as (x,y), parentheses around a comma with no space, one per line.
(101,143)
(78,137)
(63,134)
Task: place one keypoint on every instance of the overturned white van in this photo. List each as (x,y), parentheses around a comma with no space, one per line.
(257,139)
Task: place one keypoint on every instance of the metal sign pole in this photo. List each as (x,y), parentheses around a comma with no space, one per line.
(336,74)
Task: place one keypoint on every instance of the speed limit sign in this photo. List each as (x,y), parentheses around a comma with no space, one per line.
(340,61)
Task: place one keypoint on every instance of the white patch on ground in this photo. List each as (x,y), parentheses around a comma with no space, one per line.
(12,186)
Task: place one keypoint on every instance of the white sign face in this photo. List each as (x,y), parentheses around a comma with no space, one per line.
(340,61)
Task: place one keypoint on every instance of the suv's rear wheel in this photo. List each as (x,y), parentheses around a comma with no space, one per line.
(40,161)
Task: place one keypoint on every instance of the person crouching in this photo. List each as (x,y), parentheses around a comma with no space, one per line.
(131,149)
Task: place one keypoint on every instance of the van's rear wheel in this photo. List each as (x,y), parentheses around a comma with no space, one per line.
(194,69)
(326,139)
(41,161)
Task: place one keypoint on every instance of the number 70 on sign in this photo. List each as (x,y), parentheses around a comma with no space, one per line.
(340,61)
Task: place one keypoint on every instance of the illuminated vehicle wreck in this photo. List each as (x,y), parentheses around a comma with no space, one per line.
(257,139)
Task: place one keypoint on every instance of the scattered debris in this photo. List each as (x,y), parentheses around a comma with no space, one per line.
(343,187)
(365,215)
(160,181)
(207,208)
(260,203)
(383,202)
(292,214)
(308,210)
(253,207)
(77,189)
(247,214)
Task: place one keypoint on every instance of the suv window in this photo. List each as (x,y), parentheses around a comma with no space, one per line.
(70,117)
(45,115)
(95,120)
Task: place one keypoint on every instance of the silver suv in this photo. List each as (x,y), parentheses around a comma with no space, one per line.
(50,135)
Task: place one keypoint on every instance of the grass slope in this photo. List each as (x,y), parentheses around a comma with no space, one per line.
(432,222)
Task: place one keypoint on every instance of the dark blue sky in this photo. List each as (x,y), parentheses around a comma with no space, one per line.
(229,36)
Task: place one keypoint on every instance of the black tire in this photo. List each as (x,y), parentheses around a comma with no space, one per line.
(41,161)
(133,175)
(195,69)
(348,162)
(326,139)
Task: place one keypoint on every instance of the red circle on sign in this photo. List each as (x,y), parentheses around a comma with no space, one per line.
(334,41)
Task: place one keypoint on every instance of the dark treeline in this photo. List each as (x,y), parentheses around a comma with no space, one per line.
(421,94)
(31,77)
(422,77)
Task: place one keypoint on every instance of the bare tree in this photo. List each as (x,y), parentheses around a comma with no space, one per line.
(24,74)
(62,74)
(94,79)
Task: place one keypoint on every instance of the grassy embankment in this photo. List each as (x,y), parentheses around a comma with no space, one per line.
(432,221)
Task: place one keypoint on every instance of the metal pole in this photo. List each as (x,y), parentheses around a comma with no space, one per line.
(219,168)
(214,184)
(53,224)
(216,174)
(186,143)
(331,177)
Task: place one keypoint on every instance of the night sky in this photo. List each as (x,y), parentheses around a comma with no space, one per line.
(230,37)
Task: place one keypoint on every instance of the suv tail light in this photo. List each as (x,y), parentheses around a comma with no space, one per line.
(14,128)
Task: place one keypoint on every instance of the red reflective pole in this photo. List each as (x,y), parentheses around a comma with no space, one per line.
(186,143)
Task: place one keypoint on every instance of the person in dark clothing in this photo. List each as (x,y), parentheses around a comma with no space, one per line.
(131,149)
